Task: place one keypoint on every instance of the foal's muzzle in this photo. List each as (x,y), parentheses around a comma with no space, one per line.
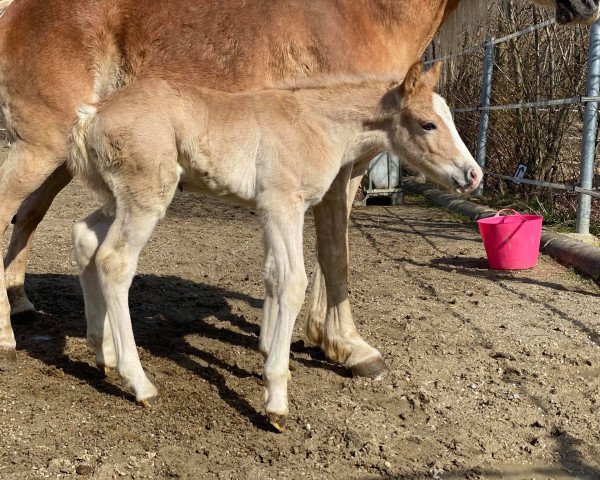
(469,182)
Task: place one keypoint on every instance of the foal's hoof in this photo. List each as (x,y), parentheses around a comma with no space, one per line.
(104,370)
(8,358)
(375,368)
(148,402)
(278,421)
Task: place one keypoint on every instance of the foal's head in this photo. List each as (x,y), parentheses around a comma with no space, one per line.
(423,133)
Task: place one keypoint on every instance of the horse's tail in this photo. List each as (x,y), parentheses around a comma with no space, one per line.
(4,4)
(86,151)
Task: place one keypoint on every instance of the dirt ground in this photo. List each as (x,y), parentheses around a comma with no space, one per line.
(493,374)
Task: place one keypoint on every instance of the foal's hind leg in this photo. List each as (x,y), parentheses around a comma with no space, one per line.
(317,314)
(116,263)
(330,322)
(286,278)
(25,169)
(28,217)
(143,190)
(88,235)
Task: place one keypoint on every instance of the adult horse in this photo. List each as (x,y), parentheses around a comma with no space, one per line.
(58,54)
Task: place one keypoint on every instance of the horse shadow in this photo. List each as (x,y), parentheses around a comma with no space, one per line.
(194,309)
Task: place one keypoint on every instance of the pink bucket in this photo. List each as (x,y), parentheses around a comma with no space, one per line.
(511,242)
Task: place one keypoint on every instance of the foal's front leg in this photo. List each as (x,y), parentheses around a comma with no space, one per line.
(270,305)
(286,279)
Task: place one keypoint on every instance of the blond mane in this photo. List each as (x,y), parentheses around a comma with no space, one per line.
(325,81)
(4,4)
(468,23)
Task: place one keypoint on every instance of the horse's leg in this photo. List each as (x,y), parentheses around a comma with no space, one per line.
(286,278)
(270,308)
(88,235)
(270,305)
(25,169)
(315,325)
(142,189)
(28,217)
(330,322)
(115,264)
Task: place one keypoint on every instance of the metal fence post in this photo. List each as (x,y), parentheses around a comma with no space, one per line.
(590,123)
(484,115)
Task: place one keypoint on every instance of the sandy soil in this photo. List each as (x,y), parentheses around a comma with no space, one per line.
(493,375)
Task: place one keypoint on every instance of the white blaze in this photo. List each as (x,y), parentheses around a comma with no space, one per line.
(464,162)
(441,108)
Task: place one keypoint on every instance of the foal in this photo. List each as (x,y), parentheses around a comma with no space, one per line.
(277,150)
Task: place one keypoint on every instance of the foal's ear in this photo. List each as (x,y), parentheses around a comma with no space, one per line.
(432,75)
(412,79)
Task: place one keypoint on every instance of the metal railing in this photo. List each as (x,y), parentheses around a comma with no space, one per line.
(590,100)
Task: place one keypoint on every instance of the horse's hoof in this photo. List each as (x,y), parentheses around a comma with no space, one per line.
(278,421)
(8,358)
(375,368)
(148,402)
(24,317)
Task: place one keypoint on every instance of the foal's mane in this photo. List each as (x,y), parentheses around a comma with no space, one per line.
(328,81)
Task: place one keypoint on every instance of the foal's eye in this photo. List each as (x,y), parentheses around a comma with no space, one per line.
(429,126)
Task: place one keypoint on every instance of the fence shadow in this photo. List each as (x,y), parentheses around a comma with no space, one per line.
(477,267)
(569,457)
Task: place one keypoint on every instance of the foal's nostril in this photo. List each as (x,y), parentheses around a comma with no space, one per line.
(473,176)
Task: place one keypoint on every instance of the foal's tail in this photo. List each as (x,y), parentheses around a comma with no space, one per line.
(86,150)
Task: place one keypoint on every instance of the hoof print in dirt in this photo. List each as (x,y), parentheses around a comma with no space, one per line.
(84,470)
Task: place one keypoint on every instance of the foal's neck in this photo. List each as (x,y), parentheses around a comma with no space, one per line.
(353,116)
(350,108)
(345,100)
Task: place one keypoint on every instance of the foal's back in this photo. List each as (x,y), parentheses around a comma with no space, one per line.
(225,144)
(297,138)
(185,112)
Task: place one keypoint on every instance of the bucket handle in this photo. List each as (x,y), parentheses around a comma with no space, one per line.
(514,212)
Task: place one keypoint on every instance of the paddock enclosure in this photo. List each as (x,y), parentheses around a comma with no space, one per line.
(493,375)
